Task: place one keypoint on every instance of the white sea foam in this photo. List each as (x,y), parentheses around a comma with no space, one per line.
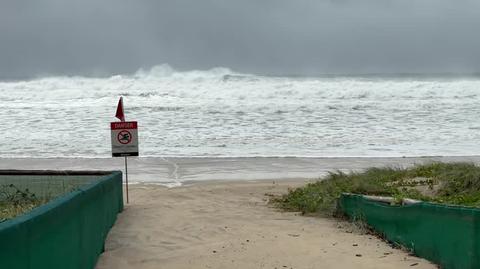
(222,113)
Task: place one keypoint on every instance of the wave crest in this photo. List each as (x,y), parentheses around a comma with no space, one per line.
(165,71)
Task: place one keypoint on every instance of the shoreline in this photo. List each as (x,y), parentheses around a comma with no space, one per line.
(178,171)
(242,157)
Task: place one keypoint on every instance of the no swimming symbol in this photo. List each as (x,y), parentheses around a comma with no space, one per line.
(124,137)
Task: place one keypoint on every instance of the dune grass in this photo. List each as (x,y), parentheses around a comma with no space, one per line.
(9,211)
(15,202)
(448,183)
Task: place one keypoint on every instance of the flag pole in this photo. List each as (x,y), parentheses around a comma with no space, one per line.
(121,116)
(126,176)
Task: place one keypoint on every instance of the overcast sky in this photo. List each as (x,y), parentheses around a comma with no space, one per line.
(276,37)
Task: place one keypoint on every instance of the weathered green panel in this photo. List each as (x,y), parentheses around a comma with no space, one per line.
(446,235)
(68,232)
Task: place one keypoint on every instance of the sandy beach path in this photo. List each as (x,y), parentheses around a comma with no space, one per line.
(230,225)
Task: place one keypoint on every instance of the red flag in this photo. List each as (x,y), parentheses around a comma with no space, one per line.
(120,115)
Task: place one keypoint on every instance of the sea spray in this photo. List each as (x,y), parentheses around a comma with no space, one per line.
(219,112)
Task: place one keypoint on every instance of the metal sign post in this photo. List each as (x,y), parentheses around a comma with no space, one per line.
(124,143)
(126,176)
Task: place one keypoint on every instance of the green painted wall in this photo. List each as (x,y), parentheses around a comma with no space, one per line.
(68,232)
(446,235)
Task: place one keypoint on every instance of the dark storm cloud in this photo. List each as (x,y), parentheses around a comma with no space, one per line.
(301,37)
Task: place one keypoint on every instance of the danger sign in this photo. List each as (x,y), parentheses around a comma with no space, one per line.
(124,138)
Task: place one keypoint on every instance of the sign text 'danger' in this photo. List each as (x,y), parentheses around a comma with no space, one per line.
(123,125)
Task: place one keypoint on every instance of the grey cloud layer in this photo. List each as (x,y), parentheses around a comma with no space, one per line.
(301,37)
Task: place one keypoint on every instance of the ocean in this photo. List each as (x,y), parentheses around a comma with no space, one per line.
(221,113)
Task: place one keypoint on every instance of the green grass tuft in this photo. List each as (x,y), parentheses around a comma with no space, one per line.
(15,201)
(448,183)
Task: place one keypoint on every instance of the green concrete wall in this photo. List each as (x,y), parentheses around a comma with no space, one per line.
(446,235)
(68,232)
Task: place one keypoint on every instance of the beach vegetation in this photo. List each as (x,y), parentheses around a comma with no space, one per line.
(15,201)
(446,183)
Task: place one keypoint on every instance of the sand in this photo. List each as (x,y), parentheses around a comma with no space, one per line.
(174,171)
(230,225)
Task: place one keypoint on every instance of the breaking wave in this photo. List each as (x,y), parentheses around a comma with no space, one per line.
(219,112)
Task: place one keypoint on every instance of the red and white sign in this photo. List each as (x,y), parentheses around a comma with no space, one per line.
(124,138)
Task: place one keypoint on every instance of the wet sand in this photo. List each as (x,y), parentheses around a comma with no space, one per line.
(231,225)
(173,171)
